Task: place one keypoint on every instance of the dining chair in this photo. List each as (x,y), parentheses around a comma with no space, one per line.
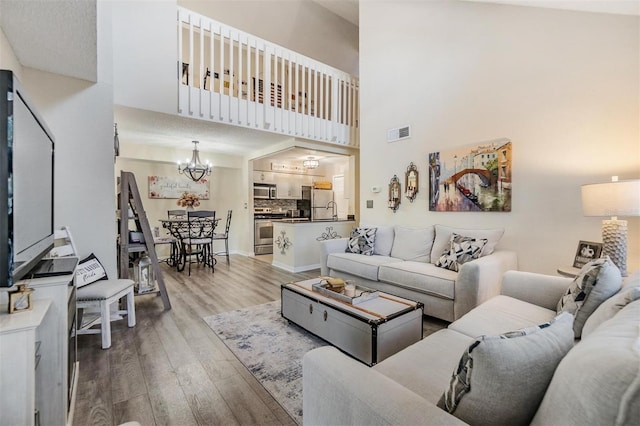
(199,242)
(175,244)
(176,214)
(225,237)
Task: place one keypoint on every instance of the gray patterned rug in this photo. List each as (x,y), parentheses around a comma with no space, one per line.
(270,348)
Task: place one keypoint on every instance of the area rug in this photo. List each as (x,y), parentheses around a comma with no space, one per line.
(270,347)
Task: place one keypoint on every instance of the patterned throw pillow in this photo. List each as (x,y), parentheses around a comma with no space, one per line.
(597,281)
(461,250)
(361,241)
(89,271)
(502,379)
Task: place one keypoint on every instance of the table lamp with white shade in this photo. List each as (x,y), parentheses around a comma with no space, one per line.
(615,198)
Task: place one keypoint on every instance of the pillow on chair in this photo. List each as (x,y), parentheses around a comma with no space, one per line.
(89,271)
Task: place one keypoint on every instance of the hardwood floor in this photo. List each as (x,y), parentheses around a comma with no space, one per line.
(171,369)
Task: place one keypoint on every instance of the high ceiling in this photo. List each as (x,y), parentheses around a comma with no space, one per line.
(61,37)
(348,9)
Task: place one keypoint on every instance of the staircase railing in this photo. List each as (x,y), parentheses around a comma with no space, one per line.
(229,76)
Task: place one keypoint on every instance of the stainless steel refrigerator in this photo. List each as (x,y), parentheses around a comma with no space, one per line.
(320,204)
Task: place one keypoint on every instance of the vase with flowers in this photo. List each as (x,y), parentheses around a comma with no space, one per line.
(188,200)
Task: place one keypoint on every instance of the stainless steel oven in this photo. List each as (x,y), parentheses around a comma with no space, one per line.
(263,236)
(265,191)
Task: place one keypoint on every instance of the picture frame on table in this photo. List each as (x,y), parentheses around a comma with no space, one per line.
(21,300)
(586,252)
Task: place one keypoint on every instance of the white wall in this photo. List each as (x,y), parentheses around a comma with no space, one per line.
(145,51)
(562,85)
(80,116)
(299,25)
(8,60)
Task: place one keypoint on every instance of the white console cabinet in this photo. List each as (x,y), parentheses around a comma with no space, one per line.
(34,356)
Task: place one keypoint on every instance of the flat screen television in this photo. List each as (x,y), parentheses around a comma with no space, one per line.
(26,182)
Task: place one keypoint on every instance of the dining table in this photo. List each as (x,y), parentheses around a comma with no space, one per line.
(182,228)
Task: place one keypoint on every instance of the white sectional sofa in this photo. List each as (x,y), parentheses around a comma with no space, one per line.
(404,263)
(597,382)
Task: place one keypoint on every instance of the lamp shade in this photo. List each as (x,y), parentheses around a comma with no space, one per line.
(621,198)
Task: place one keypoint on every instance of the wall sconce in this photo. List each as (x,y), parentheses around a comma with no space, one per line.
(615,198)
(411,182)
(394,193)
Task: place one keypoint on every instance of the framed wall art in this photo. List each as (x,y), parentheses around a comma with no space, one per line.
(586,252)
(471,178)
(174,187)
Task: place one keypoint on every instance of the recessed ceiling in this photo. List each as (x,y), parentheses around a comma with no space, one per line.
(294,156)
(168,130)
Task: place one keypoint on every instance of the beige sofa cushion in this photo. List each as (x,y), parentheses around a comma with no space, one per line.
(442,349)
(499,315)
(413,244)
(358,264)
(442,240)
(598,381)
(419,276)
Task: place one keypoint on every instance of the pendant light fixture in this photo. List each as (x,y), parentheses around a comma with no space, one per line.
(193,168)
(310,163)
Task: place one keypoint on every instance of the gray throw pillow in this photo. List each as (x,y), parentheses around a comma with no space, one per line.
(597,281)
(461,250)
(443,236)
(502,379)
(361,241)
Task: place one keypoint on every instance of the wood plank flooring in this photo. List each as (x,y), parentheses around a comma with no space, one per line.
(171,369)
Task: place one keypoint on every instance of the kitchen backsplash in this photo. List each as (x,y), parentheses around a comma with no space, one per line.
(276,205)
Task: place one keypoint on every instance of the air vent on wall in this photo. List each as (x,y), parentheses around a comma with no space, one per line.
(398,133)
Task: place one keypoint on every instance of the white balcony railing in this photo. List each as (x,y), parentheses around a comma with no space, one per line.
(223,73)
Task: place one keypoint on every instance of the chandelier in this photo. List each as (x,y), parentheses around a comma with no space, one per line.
(310,163)
(194,169)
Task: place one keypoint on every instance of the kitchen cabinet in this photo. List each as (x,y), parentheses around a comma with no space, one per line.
(290,185)
(263,177)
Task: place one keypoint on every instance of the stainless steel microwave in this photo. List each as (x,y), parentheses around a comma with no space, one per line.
(265,191)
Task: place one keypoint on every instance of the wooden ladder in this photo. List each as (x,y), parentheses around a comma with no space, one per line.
(129,197)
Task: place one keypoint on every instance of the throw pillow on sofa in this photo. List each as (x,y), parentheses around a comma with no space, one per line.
(461,250)
(443,236)
(384,239)
(412,244)
(597,281)
(502,379)
(361,241)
